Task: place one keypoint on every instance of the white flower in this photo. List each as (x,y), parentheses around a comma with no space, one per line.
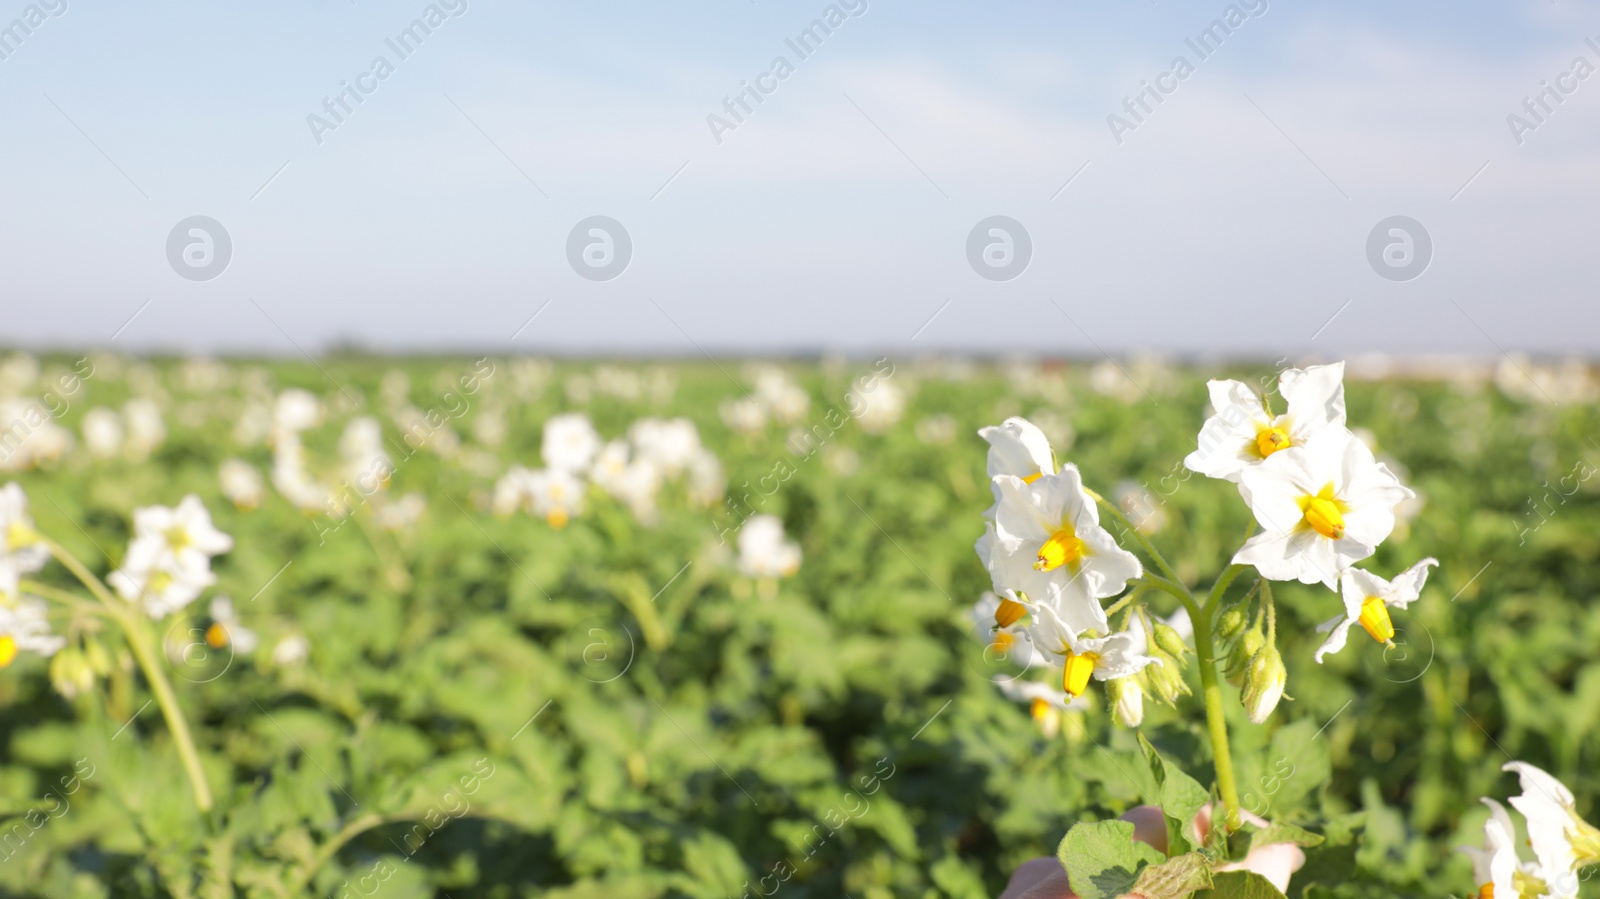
(169,561)
(241,483)
(706,482)
(366,461)
(1324,506)
(763,551)
(1562,841)
(291,650)
(1018,448)
(610,464)
(1241,433)
(997,622)
(673,445)
(25,627)
(570,442)
(146,431)
(102,433)
(225,628)
(511,492)
(21,549)
(401,513)
(295,411)
(555,495)
(1081,654)
(1494,867)
(1045,703)
(743,415)
(1048,545)
(878,407)
(1367,599)
(185,531)
(783,399)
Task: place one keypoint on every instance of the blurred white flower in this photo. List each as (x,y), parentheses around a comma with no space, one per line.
(168,563)
(146,430)
(21,549)
(1562,841)
(295,411)
(511,492)
(763,550)
(707,483)
(555,495)
(25,627)
(291,651)
(367,463)
(1046,704)
(743,415)
(225,628)
(1495,866)
(570,442)
(400,514)
(783,400)
(241,483)
(102,433)
(879,408)
(673,445)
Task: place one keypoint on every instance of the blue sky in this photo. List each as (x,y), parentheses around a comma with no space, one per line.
(1234,218)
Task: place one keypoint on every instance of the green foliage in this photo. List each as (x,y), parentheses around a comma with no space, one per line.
(834,733)
(1103,860)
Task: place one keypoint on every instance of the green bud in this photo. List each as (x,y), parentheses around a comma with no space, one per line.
(70,673)
(1166,679)
(1127,700)
(1249,643)
(98,659)
(1231,623)
(1168,640)
(1263,683)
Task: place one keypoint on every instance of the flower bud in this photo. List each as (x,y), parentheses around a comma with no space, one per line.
(1244,650)
(1231,623)
(70,673)
(1263,683)
(1168,640)
(98,659)
(1127,700)
(1165,679)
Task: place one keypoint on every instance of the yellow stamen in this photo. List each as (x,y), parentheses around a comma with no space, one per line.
(1375,618)
(1030,478)
(1063,548)
(1486,891)
(1324,512)
(1040,709)
(158,583)
(1075,674)
(558,518)
(8,650)
(1009,613)
(178,538)
(1271,439)
(216,635)
(19,535)
(1003,641)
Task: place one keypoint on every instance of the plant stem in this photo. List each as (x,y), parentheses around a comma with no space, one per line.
(141,642)
(1216,724)
(1144,542)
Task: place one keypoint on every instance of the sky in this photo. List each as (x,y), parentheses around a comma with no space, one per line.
(1250,211)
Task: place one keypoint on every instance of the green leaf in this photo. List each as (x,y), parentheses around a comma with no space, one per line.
(1175,878)
(1241,885)
(1180,796)
(1294,765)
(1278,832)
(1102,859)
(1327,865)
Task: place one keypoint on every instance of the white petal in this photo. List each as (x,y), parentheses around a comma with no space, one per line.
(1018,448)
(1407,585)
(1336,639)
(1315,396)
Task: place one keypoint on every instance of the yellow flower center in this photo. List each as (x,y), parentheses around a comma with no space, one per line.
(1486,891)
(1075,673)
(158,583)
(178,538)
(558,518)
(1324,512)
(1030,478)
(1002,643)
(1009,613)
(19,535)
(1270,439)
(8,650)
(1375,618)
(1040,709)
(216,635)
(1063,548)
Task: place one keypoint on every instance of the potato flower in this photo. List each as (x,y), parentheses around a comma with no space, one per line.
(763,551)
(1495,866)
(1562,841)
(169,561)
(1324,506)
(1017,447)
(1367,599)
(997,622)
(241,484)
(1046,704)
(554,494)
(570,442)
(25,627)
(21,549)
(1082,653)
(1242,433)
(1048,545)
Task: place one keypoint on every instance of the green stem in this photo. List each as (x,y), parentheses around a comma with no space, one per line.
(336,842)
(1216,724)
(1224,581)
(144,652)
(71,601)
(1143,541)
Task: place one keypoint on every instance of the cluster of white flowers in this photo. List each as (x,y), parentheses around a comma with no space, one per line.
(1563,843)
(1051,564)
(29,436)
(631,470)
(294,412)
(777,397)
(168,564)
(23,625)
(764,552)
